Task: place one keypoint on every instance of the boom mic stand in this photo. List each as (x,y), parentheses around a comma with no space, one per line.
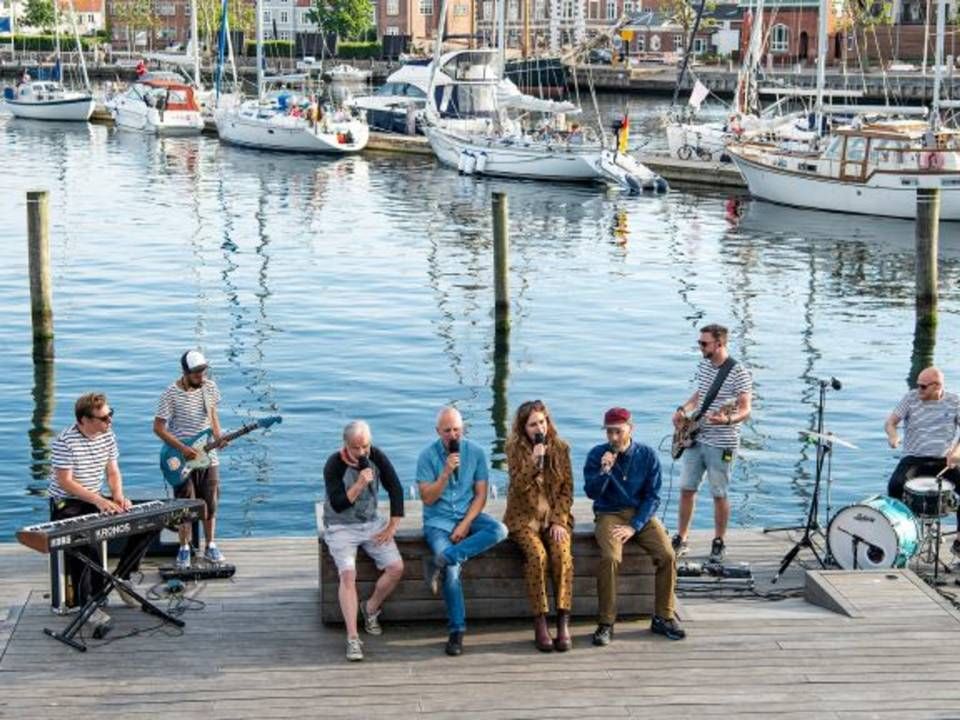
(824,447)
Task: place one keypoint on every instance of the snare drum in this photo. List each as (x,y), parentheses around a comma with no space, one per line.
(921,496)
(880,532)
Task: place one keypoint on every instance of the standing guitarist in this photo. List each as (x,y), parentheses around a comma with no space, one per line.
(187,407)
(720,381)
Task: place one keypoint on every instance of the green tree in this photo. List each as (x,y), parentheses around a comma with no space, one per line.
(346,18)
(684,14)
(38,14)
(242,17)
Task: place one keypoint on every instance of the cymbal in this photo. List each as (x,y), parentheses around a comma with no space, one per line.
(827,438)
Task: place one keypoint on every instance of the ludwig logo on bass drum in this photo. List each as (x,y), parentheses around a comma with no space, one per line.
(864,518)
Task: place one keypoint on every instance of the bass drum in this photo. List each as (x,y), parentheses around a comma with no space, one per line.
(880,532)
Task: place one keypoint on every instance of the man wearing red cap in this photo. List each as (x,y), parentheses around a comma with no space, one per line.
(187,407)
(622,477)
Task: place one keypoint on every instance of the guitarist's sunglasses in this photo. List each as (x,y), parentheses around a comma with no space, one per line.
(104,418)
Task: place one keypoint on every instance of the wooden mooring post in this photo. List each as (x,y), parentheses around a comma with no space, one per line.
(501,309)
(927,250)
(41,285)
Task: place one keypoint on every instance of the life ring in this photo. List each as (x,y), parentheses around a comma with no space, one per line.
(931,160)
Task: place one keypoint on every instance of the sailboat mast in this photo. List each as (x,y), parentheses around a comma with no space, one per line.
(76,36)
(501,27)
(13,32)
(938,69)
(259,27)
(195,40)
(821,60)
(56,36)
(435,66)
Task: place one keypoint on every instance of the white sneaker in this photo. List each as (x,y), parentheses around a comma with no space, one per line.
(354,649)
(128,599)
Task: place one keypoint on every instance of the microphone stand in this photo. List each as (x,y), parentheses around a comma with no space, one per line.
(812,525)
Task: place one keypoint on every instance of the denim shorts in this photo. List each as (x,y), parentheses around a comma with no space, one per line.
(701,460)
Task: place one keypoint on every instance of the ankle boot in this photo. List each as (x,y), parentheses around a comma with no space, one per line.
(541,635)
(563,641)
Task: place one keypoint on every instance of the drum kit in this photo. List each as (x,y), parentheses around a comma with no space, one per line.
(879,532)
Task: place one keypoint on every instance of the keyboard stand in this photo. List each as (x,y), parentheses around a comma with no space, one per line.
(111,581)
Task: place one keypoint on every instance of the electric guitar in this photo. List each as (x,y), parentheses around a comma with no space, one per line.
(175,468)
(685,435)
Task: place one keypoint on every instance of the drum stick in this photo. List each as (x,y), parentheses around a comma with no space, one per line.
(941,473)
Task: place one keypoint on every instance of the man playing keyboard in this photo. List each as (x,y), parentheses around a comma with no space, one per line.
(82,455)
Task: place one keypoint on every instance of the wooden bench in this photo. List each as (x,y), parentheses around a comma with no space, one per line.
(493,582)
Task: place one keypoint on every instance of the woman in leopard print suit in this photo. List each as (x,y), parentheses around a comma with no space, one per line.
(538,516)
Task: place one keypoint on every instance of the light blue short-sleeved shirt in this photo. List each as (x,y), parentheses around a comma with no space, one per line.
(451,507)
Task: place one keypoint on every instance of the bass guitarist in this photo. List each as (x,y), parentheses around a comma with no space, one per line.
(187,407)
(720,381)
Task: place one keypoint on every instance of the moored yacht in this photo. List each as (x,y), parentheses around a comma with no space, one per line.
(157,106)
(48,100)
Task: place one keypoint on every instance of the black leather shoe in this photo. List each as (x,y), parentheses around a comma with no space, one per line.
(603,635)
(669,628)
(454,644)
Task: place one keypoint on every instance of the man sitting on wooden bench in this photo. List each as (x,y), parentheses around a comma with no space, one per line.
(452,474)
(622,477)
(352,477)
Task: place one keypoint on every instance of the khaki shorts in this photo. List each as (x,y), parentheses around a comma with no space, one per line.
(343,540)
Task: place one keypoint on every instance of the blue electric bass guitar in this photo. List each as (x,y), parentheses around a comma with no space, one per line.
(175,468)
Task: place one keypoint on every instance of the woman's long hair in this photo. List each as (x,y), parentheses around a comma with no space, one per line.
(519,447)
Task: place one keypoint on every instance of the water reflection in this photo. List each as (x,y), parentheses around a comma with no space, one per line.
(41,423)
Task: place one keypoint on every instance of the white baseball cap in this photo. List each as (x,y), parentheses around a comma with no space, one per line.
(193,361)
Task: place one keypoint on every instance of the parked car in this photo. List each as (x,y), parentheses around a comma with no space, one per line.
(600,56)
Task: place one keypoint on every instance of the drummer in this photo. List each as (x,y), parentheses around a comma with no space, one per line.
(931,421)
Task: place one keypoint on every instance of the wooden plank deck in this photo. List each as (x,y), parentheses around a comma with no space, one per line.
(258,649)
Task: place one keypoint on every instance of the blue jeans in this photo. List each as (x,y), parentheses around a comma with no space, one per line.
(485,532)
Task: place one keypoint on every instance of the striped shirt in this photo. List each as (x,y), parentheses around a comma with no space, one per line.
(929,426)
(737,381)
(87,457)
(187,412)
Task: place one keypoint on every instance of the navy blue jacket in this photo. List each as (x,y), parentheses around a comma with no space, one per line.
(633,482)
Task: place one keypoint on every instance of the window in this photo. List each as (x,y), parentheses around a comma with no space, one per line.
(304,17)
(393,8)
(567,9)
(266,17)
(540,10)
(426,7)
(630,6)
(678,43)
(393,29)
(513,10)
(780,39)
(488,10)
(640,42)
(91,18)
(166,9)
(593,10)
(611,9)
(461,10)
(699,46)
(856,149)
(284,16)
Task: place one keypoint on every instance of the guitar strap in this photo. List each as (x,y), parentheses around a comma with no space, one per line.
(711,395)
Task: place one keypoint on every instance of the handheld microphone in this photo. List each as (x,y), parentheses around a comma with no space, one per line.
(539,439)
(454,447)
(832,382)
(363,462)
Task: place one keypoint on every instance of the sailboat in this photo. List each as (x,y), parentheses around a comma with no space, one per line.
(286,121)
(49,99)
(870,167)
(708,140)
(477,126)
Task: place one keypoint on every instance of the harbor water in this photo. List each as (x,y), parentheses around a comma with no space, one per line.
(329,289)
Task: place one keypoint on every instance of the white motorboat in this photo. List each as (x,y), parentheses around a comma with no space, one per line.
(48,100)
(275,124)
(472,124)
(158,107)
(869,168)
(346,74)
(404,93)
